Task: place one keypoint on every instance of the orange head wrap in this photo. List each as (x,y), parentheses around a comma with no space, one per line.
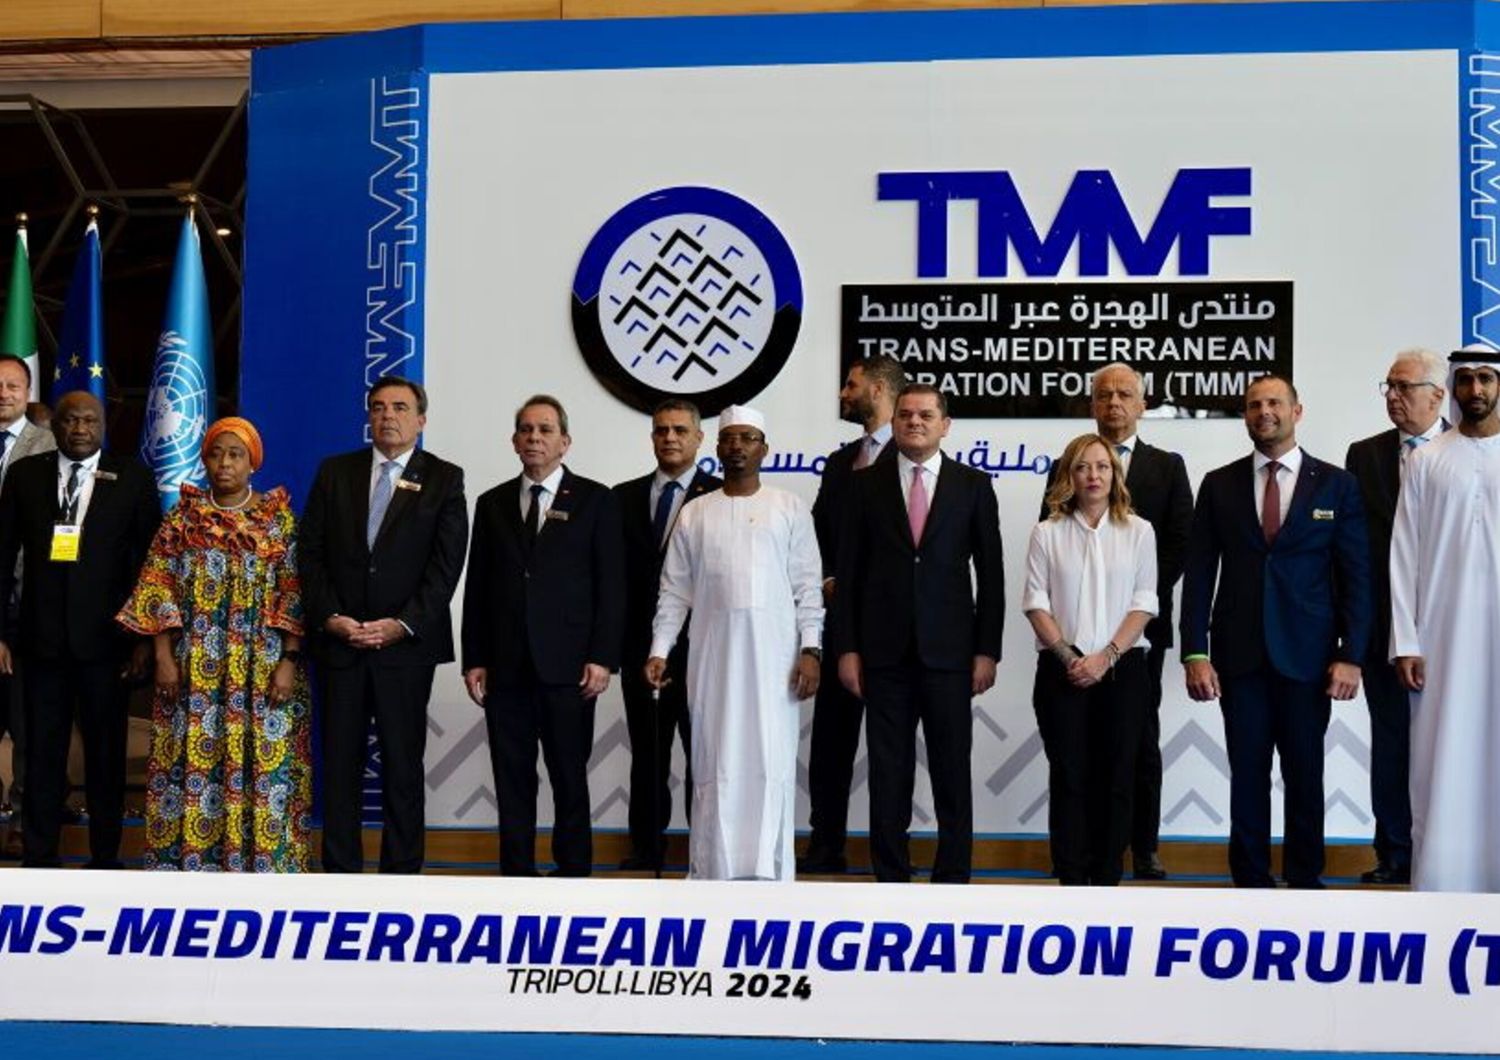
(242,429)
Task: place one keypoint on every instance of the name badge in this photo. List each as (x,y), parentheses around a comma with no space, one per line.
(408,484)
(66,540)
(1323,515)
(105,476)
(553,515)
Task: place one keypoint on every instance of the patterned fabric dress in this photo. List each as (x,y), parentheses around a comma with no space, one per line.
(229,783)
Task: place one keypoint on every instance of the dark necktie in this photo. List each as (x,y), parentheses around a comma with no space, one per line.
(70,495)
(663,517)
(534,515)
(1270,508)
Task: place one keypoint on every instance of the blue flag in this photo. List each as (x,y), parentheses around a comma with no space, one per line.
(80,352)
(180,404)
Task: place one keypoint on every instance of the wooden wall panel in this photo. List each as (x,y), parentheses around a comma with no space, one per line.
(48,19)
(636,8)
(195,18)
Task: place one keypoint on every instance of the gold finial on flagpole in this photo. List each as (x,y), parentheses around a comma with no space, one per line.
(92,209)
(21,219)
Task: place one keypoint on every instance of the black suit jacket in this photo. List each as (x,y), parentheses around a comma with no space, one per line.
(68,609)
(833,488)
(564,605)
(1160,494)
(1299,603)
(409,575)
(643,559)
(1376,463)
(893,594)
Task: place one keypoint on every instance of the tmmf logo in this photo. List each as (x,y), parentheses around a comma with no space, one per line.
(1093,216)
(687,292)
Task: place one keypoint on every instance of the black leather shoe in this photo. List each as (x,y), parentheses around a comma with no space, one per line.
(1149,867)
(1386,873)
(823,863)
(640,863)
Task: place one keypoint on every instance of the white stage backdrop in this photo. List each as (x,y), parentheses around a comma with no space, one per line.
(1334,171)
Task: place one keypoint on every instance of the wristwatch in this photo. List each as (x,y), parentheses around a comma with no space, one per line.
(816,653)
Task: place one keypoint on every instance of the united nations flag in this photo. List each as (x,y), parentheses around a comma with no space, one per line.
(180,405)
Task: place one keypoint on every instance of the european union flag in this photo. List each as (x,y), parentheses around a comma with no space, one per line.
(180,404)
(80,353)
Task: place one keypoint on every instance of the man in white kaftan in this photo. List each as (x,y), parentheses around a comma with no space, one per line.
(1445,634)
(744,561)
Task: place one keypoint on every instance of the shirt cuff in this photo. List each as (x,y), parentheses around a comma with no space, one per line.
(659,649)
(409,631)
(1036,600)
(1145,600)
(812,637)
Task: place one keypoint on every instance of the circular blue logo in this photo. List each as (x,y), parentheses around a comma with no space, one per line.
(687,292)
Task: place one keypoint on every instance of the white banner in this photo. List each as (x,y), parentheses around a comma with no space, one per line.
(1201,967)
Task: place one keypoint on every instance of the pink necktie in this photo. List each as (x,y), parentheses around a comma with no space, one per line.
(916,504)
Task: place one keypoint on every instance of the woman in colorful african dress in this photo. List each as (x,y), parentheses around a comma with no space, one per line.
(229,782)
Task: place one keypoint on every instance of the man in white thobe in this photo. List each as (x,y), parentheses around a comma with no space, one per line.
(744,561)
(1445,626)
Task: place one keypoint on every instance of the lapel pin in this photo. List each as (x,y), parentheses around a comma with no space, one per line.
(1322,514)
(408,484)
(105,476)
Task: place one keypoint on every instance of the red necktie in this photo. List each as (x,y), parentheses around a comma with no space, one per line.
(1270,508)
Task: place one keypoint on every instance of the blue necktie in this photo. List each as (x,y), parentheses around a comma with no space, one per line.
(1123,450)
(380,500)
(1414,441)
(663,517)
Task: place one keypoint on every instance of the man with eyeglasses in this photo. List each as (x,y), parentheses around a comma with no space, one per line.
(1445,624)
(1414,390)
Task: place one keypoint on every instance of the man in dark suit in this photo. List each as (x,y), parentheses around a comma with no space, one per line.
(1414,391)
(1275,622)
(544,607)
(915,640)
(868,398)
(1161,495)
(649,507)
(19,438)
(381,547)
(84,519)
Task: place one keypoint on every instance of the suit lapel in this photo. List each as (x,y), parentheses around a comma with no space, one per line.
(1309,478)
(889,486)
(560,511)
(1246,485)
(944,498)
(103,493)
(1139,472)
(1389,472)
(402,497)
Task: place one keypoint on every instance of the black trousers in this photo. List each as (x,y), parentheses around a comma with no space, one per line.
(53,692)
(396,698)
(1145,828)
(837,717)
(6,726)
(652,726)
(1092,737)
(519,716)
(1265,711)
(1390,762)
(896,700)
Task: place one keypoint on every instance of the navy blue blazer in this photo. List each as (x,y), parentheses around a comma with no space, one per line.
(1297,604)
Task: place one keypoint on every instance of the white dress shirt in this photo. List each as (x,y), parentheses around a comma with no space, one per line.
(549,494)
(1129,445)
(1088,578)
(930,468)
(85,482)
(377,468)
(1286,478)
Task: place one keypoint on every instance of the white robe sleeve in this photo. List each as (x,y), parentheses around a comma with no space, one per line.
(1405,549)
(674,598)
(805,571)
(1144,597)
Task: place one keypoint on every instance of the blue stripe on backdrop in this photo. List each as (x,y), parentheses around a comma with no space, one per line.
(57,1041)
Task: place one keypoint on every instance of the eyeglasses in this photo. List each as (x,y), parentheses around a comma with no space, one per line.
(1404,389)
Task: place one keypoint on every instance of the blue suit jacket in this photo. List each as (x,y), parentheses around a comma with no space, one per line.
(1297,604)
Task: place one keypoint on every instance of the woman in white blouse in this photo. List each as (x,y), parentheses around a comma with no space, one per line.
(1090,589)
